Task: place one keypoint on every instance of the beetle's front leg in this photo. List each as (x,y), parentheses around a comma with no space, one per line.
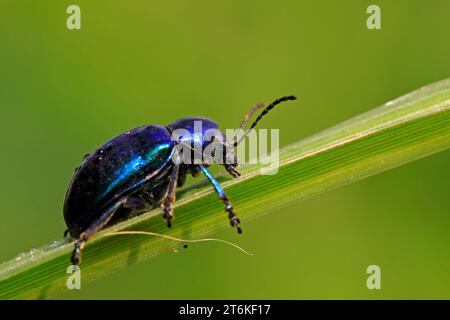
(169,198)
(234,220)
(232,169)
(230,161)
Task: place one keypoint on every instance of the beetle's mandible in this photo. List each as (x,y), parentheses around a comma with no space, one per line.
(135,172)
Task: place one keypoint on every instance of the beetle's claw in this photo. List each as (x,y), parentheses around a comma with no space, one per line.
(168,217)
(78,246)
(235,222)
(233,171)
(76,255)
(75,260)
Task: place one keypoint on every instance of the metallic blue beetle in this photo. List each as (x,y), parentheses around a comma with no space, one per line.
(135,172)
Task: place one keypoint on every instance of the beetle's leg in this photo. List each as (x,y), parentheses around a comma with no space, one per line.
(234,220)
(182,175)
(169,198)
(195,171)
(231,169)
(229,163)
(94,228)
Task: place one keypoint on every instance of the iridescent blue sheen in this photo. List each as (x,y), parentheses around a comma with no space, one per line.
(135,165)
(116,169)
(214,182)
(140,169)
(196,127)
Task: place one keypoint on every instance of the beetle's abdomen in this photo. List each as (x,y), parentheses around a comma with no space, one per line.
(115,169)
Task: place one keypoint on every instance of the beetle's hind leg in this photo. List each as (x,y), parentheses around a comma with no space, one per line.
(169,198)
(93,229)
(234,220)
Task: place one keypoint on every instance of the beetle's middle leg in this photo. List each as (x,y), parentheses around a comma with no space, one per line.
(169,198)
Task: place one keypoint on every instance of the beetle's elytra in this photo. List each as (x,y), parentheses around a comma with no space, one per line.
(135,172)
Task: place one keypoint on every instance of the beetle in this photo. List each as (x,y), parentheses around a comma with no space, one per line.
(140,169)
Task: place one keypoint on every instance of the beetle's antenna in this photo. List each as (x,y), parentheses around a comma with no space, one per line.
(247,117)
(265,111)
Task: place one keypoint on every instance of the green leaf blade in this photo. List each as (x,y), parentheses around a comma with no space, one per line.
(401,131)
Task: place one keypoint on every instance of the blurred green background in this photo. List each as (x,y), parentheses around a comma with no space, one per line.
(62,93)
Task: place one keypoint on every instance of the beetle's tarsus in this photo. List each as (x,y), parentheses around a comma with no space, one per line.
(168,215)
(75,259)
(235,222)
(231,169)
(76,255)
(169,223)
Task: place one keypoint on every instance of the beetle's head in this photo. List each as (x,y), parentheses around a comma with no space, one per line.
(193,130)
(201,141)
